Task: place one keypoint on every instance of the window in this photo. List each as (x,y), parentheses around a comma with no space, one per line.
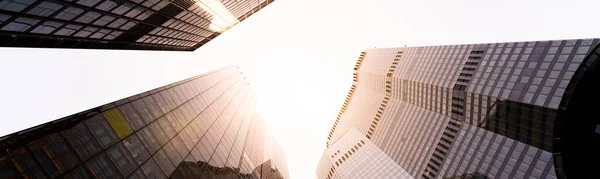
(15,5)
(134,12)
(143,111)
(45,9)
(104,20)
(128,25)
(123,8)
(47,27)
(53,154)
(101,130)
(161,102)
(123,160)
(167,127)
(112,35)
(67,30)
(150,168)
(82,141)
(107,5)
(79,172)
(136,149)
(158,132)
(22,166)
(88,17)
(69,13)
(118,122)
(164,162)
(102,167)
(101,33)
(21,24)
(117,23)
(173,154)
(132,116)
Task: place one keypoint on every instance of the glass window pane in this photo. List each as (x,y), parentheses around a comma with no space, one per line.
(143,111)
(20,24)
(152,170)
(122,159)
(82,141)
(118,122)
(47,28)
(106,5)
(132,116)
(122,8)
(102,167)
(53,154)
(161,102)
(166,126)
(69,13)
(88,17)
(137,175)
(158,133)
(173,154)
(104,20)
(78,173)
(15,5)
(153,106)
(22,161)
(68,30)
(180,146)
(148,139)
(45,9)
(164,162)
(168,99)
(102,130)
(136,149)
(174,121)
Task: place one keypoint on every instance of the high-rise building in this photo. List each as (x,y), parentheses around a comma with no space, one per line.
(497,110)
(202,127)
(181,25)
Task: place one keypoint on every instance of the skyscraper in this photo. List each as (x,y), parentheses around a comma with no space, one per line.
(497,110)
(181,25)
(202,127)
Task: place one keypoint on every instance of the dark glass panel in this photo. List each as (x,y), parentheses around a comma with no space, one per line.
(78,173)
(143,111)
(102,167)
(167,127)
(132,116)
(164,162)
(136,149)
(82,141)
(158,133)
(152,170)
(21,162)
(122,159)
(102,130)
(173,154)
(153,106)
(54,154)
(145,135)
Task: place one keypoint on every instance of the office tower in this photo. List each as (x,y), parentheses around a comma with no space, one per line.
(202,127)
(497,110)
(180,25)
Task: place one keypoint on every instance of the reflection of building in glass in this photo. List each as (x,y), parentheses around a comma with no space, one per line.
(204,126)
(499,110)
(115,24)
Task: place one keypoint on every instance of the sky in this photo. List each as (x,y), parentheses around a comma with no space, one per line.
(297,54)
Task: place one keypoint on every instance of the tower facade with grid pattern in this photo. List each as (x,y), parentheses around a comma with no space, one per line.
(180,25)
(202,127)
(497,110)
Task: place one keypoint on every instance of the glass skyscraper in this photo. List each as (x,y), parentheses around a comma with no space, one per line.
(202,127)
(496,110)
(180,25)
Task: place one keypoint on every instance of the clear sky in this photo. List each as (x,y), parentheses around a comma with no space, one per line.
(298,55)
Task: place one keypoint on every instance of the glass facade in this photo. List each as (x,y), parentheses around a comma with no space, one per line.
(486,110)
(113,24)
(202,127)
